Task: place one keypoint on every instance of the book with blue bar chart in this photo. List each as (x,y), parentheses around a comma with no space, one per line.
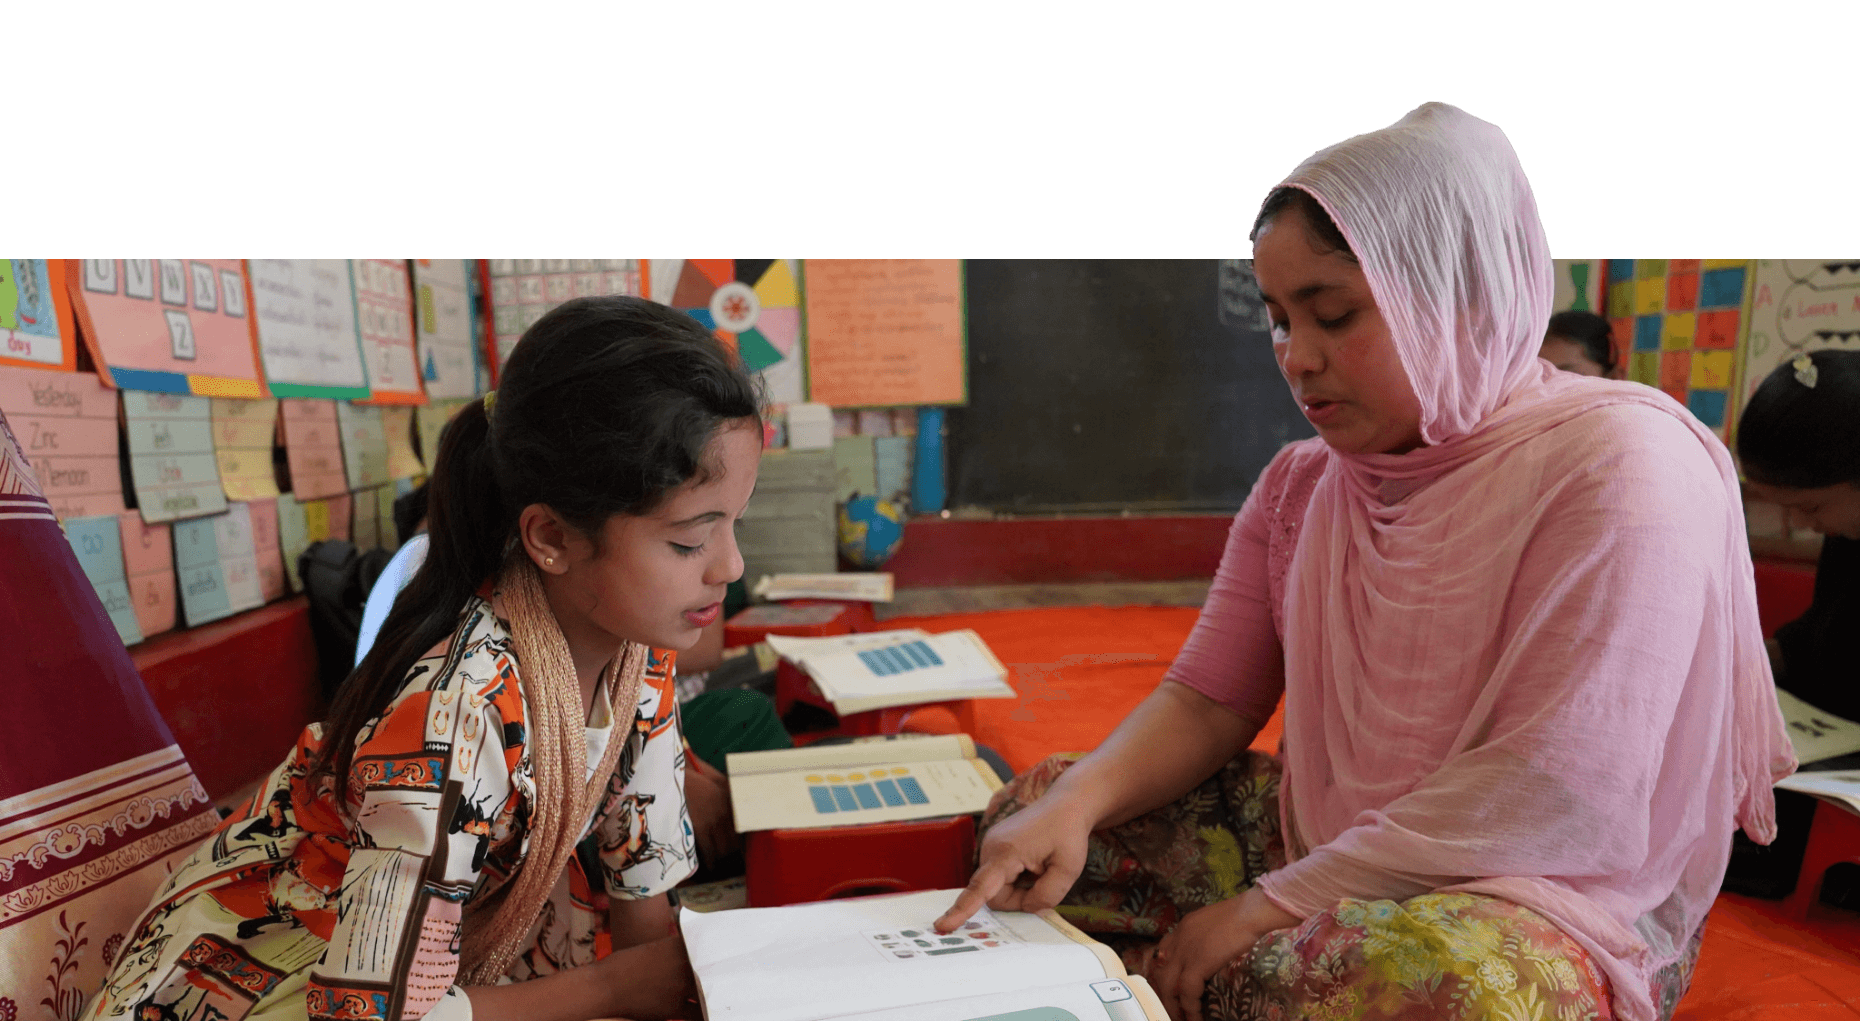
(916,777)
(880,669)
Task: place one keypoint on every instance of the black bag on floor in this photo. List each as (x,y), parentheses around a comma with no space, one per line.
(337,578)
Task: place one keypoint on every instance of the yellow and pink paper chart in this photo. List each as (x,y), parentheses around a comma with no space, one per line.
(167,325)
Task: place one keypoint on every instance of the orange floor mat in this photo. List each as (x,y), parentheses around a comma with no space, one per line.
(1079,670)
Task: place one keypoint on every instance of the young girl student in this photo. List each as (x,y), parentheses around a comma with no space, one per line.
(499,784)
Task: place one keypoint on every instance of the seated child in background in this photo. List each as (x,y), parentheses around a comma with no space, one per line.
(1579,342)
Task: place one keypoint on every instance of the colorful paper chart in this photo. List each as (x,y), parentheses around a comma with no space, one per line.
(244,432)
(384,318)
(364,445)
(1684,321)
(171,460)
(304,312)
(37,326)
(1797,305)
(886,332)
(99,545)
(167,325)
(443,324)
(216,566)
(522,290)
(431,420)
(267,549)
(397,431)
(313,447)
(148,558)
(293,537)
(66,425)
(754,305)
(1579,285)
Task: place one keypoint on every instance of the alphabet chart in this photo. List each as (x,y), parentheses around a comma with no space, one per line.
(442,318)
(304,311)
(217,566)
(313,448)
(384,317)
(167,325)
(99,546)
(171,459)
(364,444)
(37,327)
(243,434)
(522,290)
(148,560)
(66,426)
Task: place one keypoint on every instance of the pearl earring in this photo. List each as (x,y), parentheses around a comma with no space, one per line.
(548,561)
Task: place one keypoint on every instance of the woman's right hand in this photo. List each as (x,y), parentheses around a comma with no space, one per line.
(1045,842)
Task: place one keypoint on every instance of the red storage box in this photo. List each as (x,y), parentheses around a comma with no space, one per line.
(795,866)
(815,620)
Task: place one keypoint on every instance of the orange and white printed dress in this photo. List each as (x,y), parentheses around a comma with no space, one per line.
(304,905)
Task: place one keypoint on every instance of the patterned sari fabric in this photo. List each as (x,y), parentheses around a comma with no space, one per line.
(97,803)
(1451,957)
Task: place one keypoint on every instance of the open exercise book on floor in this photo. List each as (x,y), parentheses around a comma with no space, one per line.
(863,782)
(878,959)
(881,669)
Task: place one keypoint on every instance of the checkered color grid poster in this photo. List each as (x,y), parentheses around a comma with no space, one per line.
(1678,325)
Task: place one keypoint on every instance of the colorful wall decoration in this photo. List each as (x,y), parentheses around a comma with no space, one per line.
(1680,321)
(1799,305)
(36,323)
(167,325)
(754,305)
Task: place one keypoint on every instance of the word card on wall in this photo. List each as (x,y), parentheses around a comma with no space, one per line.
(167,325)
(148,560)
(293,537)
(384,318)
(37,326)
(267,549)
(217,566)
(66,426)
(522,290)
(364,445)
(171,459)
(313,447)
(243,434)
(397,432)
(98,543)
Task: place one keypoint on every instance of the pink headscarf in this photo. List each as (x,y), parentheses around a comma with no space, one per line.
(1523,660)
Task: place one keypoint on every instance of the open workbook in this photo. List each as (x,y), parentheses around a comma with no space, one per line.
(881,669)
(878,959)
(852,784)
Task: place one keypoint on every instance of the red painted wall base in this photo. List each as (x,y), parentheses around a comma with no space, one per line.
(1025,551)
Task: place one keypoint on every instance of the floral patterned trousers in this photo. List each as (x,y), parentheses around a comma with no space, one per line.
(1455,957)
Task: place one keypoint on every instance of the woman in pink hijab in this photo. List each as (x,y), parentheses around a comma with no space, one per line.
(1512,616)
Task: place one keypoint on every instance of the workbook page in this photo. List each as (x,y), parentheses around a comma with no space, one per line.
(1107,999)
(813,961)
(893,792)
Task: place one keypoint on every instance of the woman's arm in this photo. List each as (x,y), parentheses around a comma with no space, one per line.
(649,982)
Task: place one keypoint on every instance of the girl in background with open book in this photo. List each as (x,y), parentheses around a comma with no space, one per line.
(498,789)
(1512,614)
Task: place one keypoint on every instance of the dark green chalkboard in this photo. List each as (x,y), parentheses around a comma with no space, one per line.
(1109,385)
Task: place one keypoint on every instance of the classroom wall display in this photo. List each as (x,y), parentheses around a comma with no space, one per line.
(1682,320)
(384,515)
(244,432)
(166,325)
(753,305)
(216,566)
(293,537)
(364,444)
(892,466)
(313,447)
(885,332)
(1578,285)
(267,549)
(384,319)
(304,313)
(430,420)
(443,325)
(148,560)
(365,520)
(99,545)
(523,289)
(397,433)
(1797,305)
(66,426)
(171,460)
(37,326)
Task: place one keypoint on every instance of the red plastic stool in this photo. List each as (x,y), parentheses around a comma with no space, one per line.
(795,866)
(1834,837)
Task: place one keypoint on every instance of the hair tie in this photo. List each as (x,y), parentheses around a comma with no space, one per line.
(1805,371)
(490,401)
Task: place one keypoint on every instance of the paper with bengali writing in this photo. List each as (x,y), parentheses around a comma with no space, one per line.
(384,319)
(885,332)
(244,432)
(442,315)
(148,561)
(313,448)
(304,310)
(66,426)
(171,460)
(364,445)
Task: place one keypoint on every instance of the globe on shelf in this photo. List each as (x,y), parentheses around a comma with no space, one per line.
(870,531)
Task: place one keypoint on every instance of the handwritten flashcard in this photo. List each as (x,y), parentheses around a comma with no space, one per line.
(167,325)
(99,546)
(148,560)
(243,434)
(364,444)
(267,549)
(335,519)
(216,566)
(442,317)
(37,326)
(304,310)
(293,536)
(171,460)
(431,420)
(885,332)
(397,430)
(384,317)
(365,527)
(313,447)
(66,426)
